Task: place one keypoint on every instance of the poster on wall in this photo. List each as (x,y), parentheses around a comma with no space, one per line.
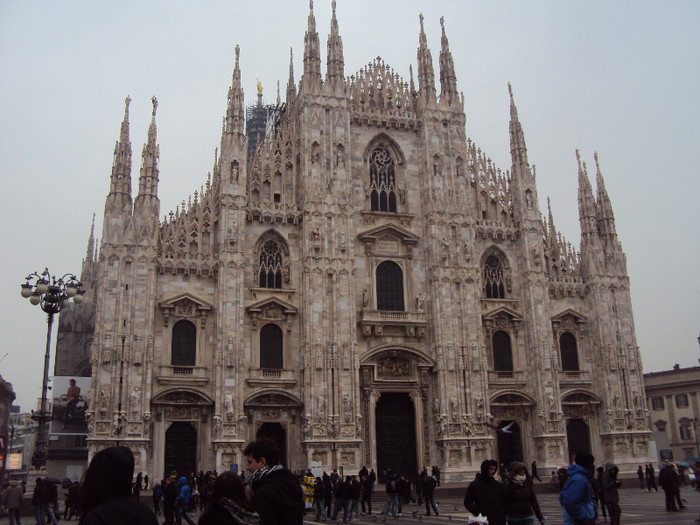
(69,396)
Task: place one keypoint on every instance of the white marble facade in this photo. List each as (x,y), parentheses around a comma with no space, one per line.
(401,261)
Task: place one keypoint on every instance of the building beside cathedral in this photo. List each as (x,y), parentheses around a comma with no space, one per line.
(363,286)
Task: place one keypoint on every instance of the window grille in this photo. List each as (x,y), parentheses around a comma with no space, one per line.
(382,181)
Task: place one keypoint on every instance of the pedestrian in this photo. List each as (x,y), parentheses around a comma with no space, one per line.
(598,494)
(535,475)
(71,503)
(670,483)
(436,474)
(169,497)
(355,502)
(145,482)
(182,502)
(38,502)
(651,478)
(157,496)
(519,497)
(428,484)
(576,497)
(610,486)
(320,500)
(228,504)
(105,495)
(392,495)
(483,494)
(366,495)
(51,502)
(343,498)
(277,495)
(12,501)
(640,475)
(327,492)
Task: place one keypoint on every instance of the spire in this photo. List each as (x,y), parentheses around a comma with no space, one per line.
(426,74)
(518,149)
(311,79)
(291,86)
(278,93)
(234,110)
(90,253)
(148,179)
(586,203)
(448,79)
(120,183)
(606,219)
(335,65)
(550,220)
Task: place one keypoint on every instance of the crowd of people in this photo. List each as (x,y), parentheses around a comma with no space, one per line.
(272,495)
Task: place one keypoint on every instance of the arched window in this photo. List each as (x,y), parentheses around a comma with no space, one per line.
(271,346)
(502,355)
(382,181)
(569,353)
(270,265)
(493,278)
(389,287)
(184,347)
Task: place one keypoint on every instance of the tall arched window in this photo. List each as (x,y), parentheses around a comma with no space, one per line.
(502,355)
(569,353)
(389,287)
(382,181)
(271,346)
(270,265)
(184,346)
(493,278)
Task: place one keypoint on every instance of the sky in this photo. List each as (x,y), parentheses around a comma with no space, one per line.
(620,78)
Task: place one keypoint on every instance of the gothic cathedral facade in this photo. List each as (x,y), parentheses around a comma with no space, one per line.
(365,287)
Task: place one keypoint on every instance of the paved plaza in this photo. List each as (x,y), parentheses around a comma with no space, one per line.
(638,508)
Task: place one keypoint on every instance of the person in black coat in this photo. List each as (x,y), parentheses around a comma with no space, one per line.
(483,495)
(519,497)
(277,494)
(228,504)
(428,484)
(670,483)
(105,496)
(169,497)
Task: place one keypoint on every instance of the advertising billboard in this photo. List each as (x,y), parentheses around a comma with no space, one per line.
(70,395)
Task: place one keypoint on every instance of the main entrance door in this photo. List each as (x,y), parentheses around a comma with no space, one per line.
(181,449)
(510,443)
(396,434)
(276,433)
(577,436)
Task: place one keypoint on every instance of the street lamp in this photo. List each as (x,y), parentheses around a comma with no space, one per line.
(52,295)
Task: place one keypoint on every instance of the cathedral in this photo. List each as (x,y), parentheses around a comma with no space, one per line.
(360,283)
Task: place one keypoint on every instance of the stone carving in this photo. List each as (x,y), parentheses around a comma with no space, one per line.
(228,403)
(420,299)
(365,297)
(393,367)
(135,399)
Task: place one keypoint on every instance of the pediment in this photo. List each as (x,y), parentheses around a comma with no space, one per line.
(186,300)
(570,312)
(269,306)
(503,311)
(389,230)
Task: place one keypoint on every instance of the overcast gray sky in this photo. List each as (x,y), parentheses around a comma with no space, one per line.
(620,78)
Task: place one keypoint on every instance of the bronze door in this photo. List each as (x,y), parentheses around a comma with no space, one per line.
(181,449)
(510,443)
(276,433)
(577,436)
(396,434)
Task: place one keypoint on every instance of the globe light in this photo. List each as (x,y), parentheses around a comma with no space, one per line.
(42,286)
(35,298)
(26,290)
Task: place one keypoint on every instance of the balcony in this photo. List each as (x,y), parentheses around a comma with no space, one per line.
(279,377)
(575,378)
(182,375)
(510,378)
(380,323)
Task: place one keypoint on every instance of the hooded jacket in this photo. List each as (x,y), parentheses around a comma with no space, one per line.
(609,484)
(576,497)
(484,495)
(519,499)
(105,495)
(185,493)
(278,498)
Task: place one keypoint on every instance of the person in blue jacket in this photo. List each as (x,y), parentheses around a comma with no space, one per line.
(576,498)
(183,499)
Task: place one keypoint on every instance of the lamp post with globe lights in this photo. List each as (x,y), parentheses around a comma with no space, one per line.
(52,294)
